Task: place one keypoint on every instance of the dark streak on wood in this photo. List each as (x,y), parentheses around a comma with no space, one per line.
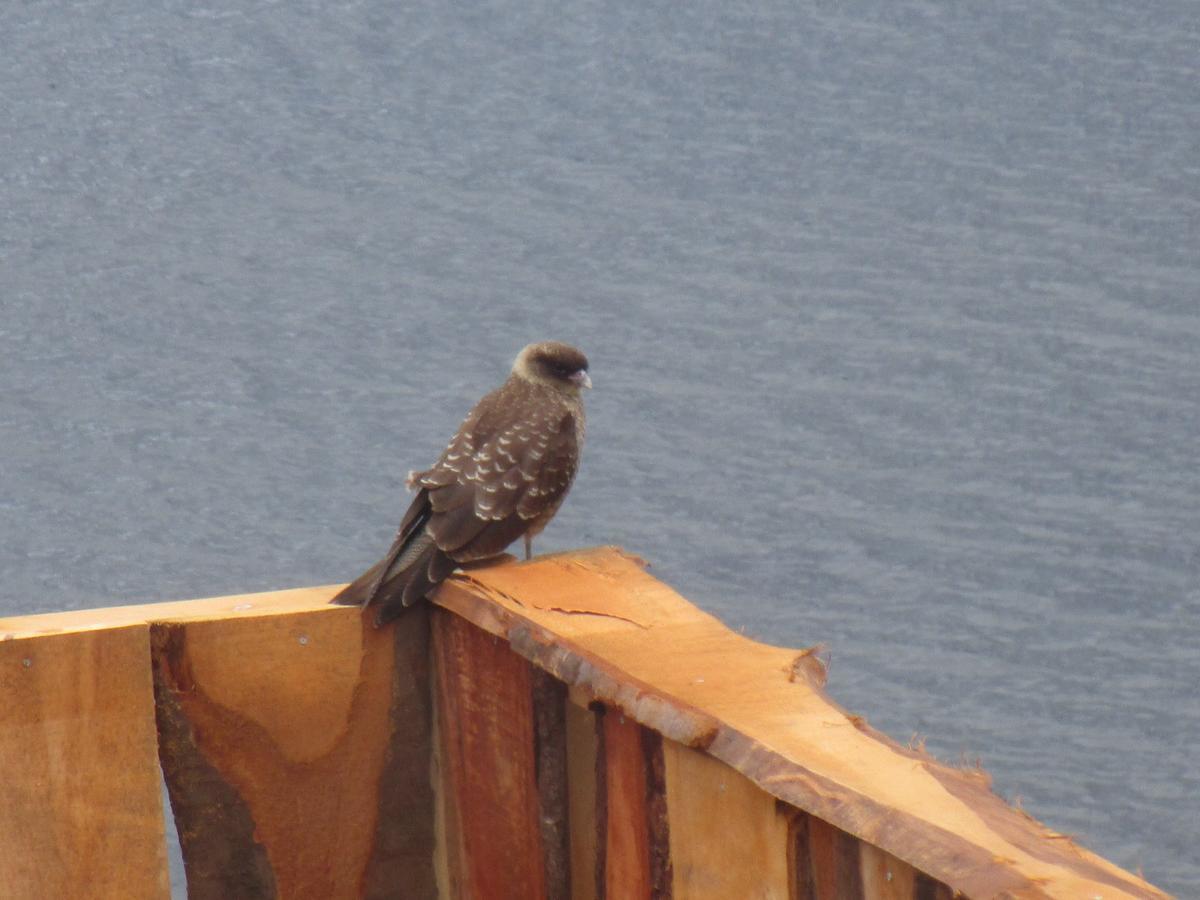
(221,857)
(849,866)
(451,854)
(823,855)
(550,754)
(677,721)
(598,711)
(627,870)
(926,888)
(799,857)
(834,863)
(658,827)
(402,857)
(919,843)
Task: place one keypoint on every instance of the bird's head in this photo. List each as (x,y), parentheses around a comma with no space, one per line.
(553,364)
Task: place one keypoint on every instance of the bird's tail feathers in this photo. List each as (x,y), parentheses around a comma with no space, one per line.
(393,584)
(359,591)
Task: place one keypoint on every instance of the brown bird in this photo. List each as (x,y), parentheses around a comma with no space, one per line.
(503,475)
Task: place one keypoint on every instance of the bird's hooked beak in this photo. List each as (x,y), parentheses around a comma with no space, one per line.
(580,379)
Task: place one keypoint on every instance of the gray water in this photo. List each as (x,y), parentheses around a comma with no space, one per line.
(893,310)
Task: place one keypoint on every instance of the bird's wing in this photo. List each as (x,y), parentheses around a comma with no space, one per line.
(495,482)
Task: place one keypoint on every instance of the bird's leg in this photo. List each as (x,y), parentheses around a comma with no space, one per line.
(528,547)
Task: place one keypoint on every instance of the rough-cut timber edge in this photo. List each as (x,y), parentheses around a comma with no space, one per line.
(598,622)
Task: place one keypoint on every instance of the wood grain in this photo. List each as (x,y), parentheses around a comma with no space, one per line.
(597,622)
(885,877)
(657,822)
(296,749)
(80,804)
(550,753)
(600,623)
(627,834)
(834,866)
(727,837)
(487,760)
(400,864)
(582,760)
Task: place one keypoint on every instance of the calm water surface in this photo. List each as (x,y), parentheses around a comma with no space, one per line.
(894,312)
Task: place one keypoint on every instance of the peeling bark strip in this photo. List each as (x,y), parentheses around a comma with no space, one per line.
(600,714)
(639,700)
(485,715)
(550,717)
(657,825)
(276,735)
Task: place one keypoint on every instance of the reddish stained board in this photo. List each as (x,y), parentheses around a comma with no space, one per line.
(485,717)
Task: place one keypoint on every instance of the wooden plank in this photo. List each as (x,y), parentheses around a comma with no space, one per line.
(234,606)
(885,877)
(600,623)
(488,766)
(637,858)
(825,860)
(80,804)
(799,864)
(926,888)
(296,751)
(834,857)
(727,837)
(627,835)
(401,861)
(448,848)
(582,759)
(550,742)
(657,824)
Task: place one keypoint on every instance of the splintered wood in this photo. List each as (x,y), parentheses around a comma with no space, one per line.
(564,728)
